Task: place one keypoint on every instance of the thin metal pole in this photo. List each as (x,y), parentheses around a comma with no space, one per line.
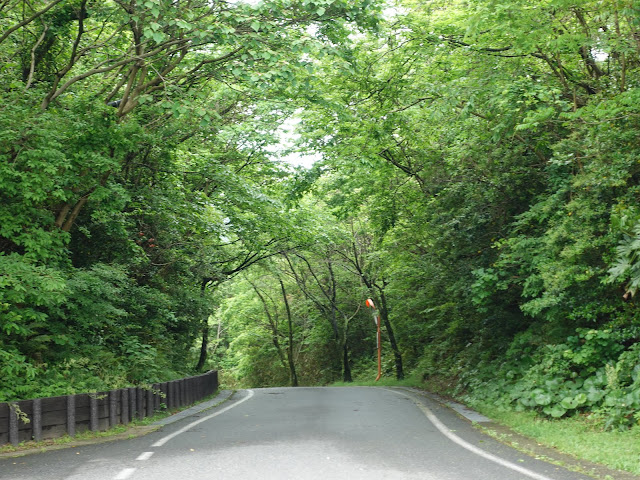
(376,318)
(379,349)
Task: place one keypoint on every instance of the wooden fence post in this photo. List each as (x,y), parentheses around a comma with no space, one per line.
(36,429)
(93,412)
(140,402)
(13,424)
(71,415)
(165,400)
(113,408)
(157,399)
(174,398)
(132,403)
(150,401)
(124,407)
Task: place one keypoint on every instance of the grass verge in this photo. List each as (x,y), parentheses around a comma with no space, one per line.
(581,437)
(411,381)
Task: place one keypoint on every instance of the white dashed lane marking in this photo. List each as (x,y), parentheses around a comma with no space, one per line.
(124,474)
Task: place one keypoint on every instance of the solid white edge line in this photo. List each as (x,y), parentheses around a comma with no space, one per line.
(124,474)
(145,456)
(164,440)
(464,444)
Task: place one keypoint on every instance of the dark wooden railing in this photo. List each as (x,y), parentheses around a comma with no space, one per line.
(44,418)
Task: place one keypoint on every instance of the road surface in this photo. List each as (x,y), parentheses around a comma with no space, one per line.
(300,433)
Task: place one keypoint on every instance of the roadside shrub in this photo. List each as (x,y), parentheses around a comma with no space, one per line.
(596,371)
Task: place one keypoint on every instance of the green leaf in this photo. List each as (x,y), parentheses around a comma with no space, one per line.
(580,399)
(594,396)
(542,398)
(569,403)
(556,411)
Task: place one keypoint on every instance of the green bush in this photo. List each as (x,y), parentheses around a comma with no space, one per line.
(593,371)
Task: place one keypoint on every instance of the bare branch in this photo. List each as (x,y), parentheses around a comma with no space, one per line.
(32,68)
(99,69)
(4,36)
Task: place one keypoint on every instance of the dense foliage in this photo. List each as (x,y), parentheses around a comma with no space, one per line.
(134,175)
(493,148)
(479,181)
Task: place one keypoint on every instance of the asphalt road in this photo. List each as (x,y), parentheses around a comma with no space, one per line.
(300,433)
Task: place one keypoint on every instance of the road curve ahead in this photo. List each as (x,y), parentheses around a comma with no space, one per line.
(300,433)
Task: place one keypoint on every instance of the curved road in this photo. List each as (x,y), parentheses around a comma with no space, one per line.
(300,433)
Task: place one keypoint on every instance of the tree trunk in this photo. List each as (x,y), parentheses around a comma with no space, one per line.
(346,369)
(384,314)
(292,367)
(273,324)
(205,332)
(204,347)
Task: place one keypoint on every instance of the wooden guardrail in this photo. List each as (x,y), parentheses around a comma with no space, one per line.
(44,418)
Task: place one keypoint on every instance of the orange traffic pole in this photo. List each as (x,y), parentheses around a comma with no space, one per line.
(376,318)
(379,351)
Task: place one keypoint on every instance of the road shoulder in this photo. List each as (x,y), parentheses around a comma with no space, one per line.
(134,431)
(524,444)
